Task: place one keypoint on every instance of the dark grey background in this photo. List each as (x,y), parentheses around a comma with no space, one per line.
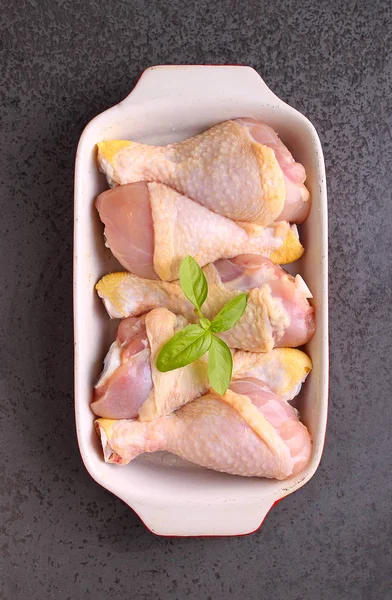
(64,537)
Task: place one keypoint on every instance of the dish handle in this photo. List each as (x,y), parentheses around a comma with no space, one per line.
(199,520)
(171,81)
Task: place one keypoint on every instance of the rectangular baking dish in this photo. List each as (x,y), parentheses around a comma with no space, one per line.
(168,104)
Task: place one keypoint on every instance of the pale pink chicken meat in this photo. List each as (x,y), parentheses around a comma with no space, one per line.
(129,228)
(249,432)
(297,199)
(150,228)
(247,272)
(278,313)
(239,169)
(126,381)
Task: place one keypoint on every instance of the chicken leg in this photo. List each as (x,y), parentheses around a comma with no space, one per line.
(278,312)
(250,431)
(150,228)
(131,386)
(239,169)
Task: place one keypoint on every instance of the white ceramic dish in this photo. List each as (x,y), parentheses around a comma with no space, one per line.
(170,103)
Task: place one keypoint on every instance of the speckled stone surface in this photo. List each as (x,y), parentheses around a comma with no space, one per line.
(64,537)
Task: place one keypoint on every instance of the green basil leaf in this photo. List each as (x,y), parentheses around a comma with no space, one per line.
(183,348)
(220,365)
(205,323)
(230,314)
(193,282)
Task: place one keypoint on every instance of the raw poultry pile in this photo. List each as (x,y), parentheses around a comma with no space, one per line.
(230,198)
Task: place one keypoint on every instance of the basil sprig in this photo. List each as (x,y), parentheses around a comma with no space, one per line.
(183,348)
(193,283)
(220,365)
(193,341)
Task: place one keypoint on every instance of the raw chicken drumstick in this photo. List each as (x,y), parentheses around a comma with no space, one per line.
(239,169)
(130,385)
(277,314)
(250,431)
(150,228)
